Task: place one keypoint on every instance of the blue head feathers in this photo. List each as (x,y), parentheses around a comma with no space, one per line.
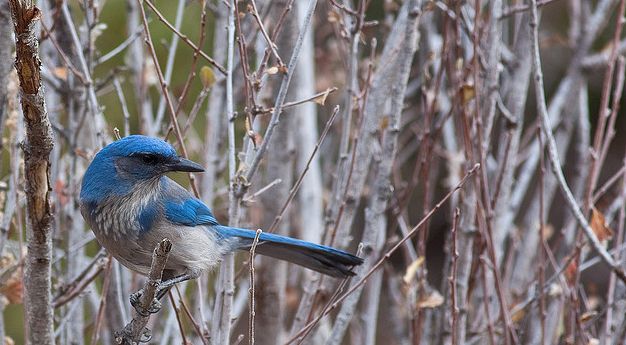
(125,162)
(134,144)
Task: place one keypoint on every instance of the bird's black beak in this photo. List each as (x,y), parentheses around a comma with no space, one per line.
(184,164)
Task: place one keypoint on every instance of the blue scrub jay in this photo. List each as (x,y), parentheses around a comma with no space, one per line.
(131,206)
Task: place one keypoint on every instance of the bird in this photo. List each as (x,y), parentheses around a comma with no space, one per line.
(131,205)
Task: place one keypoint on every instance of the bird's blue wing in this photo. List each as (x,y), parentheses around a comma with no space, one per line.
(183,208)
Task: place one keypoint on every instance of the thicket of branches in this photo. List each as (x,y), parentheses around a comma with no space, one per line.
(468,151)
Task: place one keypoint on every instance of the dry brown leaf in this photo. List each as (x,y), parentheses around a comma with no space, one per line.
(468,92)
(588,316)
(599,226)
(433,300)
(518,315)
(548,231)
(459,64)
(412,270)
(333,17)
(7,260)
(207,77)
(11,276)
(292,297)
(321,99)
(150,76)
(13,290)
(60,72)
(570,272)
(384,123)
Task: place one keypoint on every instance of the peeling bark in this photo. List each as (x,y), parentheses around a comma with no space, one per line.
(37,148)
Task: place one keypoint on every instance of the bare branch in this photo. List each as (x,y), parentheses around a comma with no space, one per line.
(39,144)
(135,330)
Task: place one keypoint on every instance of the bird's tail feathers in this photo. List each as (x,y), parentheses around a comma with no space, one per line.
(323,259)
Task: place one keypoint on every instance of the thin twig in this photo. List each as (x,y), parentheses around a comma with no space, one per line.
(76,287)
(179,321)
(287,105)
(184,38)
(195,324)
(120,95)
(64,57)
(169,64)
(280,99)
(251,332)
(103,300)
(121,47)
(262,190)
(298,183)
(511,10)
(255,13)
(454,309)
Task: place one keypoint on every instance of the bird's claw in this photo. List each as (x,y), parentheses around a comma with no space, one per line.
(146,335)
(135,301)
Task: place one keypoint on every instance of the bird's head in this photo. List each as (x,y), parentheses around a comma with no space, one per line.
(128,161)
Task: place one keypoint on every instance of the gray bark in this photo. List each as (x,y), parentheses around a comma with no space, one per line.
(404,45)
(6,49)
(39,144)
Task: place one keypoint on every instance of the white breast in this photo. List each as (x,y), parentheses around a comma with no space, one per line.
(194,249)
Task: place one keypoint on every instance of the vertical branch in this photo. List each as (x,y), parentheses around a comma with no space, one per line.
(6,45)
(252,305)
(280,98)
(375,218)
(39,143)
(225,289)
(454,309)
(169,66)
(217,123)
(311,192)
(137,64)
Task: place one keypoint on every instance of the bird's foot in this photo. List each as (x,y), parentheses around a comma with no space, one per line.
(125,336)
(135,301)
(146,335)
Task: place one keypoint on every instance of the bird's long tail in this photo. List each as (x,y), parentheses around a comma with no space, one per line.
(323,259)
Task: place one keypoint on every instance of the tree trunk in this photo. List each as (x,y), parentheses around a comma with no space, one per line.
(39,143)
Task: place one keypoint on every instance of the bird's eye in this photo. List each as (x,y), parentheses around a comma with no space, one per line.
(149,159)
